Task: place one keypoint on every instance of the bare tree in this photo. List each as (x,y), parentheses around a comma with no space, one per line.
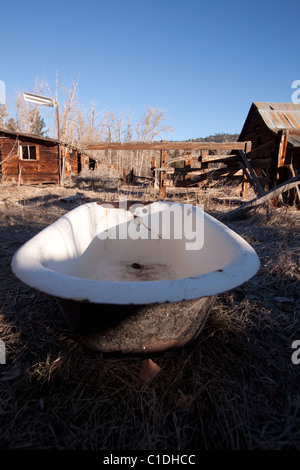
(151,124)
(27,117)
(22,113)
(128,131)
(3,115)
(69,114)
(148,128)
(69,108)
(76,124)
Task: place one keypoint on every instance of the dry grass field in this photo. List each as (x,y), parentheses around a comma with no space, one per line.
(236,387)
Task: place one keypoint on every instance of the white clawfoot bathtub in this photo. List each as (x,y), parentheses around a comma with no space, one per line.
(118,272)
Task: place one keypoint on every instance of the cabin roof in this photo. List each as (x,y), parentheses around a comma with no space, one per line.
(29,136)
(46,139)
(278,116)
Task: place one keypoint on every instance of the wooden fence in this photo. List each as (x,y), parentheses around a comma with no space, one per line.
(233,163)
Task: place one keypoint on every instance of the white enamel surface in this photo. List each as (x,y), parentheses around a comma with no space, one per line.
(69,259)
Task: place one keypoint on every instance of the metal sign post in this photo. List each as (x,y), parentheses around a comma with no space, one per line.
(45,101)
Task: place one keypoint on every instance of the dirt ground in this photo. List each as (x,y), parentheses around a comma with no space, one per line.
(236,387)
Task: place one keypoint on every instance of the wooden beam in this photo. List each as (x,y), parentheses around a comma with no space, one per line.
(294,174)
(181,159)
(248,146)
(162,175)
(254,179)
(273,193)
(169,170)
(187,162)
(246,174)
(164,145)
(279,156)
(201,170)
(283,136)
(220,159)
(233,159)
(245,185)
(217,172)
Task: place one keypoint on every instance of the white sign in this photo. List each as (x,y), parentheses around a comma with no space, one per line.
(38,99)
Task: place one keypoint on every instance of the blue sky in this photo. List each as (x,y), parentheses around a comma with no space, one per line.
(203,63)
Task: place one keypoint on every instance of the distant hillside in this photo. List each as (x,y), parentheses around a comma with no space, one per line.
(219,137)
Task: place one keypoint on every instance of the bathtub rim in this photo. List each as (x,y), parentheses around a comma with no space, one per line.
(30,270)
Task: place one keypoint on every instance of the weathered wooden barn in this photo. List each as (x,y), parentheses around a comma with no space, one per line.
(274,131)
(31,159)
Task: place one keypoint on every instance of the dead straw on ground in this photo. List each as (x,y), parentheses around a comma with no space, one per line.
(236,387)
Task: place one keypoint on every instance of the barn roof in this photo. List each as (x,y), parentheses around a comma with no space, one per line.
(279,116)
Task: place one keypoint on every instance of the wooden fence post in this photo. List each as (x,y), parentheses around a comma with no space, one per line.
(124,179)
(252,175)
(187,162)
(162,174)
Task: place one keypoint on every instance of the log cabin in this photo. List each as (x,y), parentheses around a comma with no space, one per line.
(32,159)
(274,132)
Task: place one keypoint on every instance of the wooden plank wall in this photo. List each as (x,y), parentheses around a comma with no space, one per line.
(42,170)
(71,162)
(9,161)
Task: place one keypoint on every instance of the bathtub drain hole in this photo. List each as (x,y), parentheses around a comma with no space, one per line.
(136,266)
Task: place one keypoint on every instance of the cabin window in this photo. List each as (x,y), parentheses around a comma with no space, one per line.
(28,152)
